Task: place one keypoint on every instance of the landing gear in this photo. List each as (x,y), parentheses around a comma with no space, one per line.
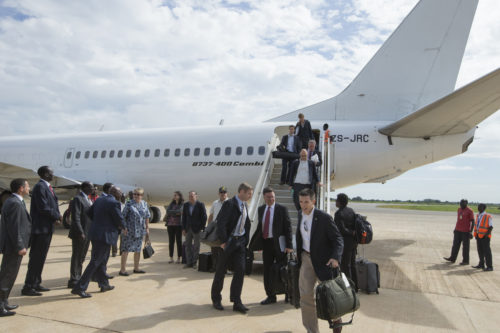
(155,214)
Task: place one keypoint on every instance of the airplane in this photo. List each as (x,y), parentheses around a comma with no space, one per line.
(399,113)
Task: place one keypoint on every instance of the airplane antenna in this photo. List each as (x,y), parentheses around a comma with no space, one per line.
(221,122)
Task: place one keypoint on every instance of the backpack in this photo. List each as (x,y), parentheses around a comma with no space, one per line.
(364,231)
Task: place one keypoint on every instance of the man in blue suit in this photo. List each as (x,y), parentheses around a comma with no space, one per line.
(107,221)
(44,213)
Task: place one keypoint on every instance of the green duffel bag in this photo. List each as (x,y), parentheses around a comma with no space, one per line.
(335,298)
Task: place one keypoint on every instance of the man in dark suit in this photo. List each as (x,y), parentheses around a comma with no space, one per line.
(44,213)
(313,153)
(292,144)
(194,218)
(303,175)
(233,228)
(107,221)
(79,231)
(273,236)
(303,130)
(15,231)
(319,248)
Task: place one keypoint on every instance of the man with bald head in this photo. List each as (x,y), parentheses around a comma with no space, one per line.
(107,221)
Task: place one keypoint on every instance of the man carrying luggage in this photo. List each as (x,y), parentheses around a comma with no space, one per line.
(214,211)
(319,248)
(462,233)
(274,237)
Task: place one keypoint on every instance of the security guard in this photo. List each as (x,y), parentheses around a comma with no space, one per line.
(482,233)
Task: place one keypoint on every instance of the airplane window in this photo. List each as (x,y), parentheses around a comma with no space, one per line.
(206,152)
(227,151)
(120,153)
(137,153)
(157,152)
(68,155)
(187,151)
(217,151)
(196,152)
(111,153)
(262,150)
(129,153)
(103,154)
(78,155)
(249,150)
(87,154)
(239,150)
(177,152)
(146,153)
(95,153)
(166,152)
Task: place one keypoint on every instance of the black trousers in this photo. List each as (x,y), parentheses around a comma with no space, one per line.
(174,236)
(484,251)
(216,253)
(40,244)
(348,263)
(234,252)
(285,169)
(80,248)
(11,261)
(97,266)
(269,257)
(460,237)
(297,187)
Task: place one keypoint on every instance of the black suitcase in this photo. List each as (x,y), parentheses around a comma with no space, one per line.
(279,278)
(205,262)
(292,269)
(368,275)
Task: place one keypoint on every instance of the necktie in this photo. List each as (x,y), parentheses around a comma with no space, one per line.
(51,190)
(267,222)
(243,218)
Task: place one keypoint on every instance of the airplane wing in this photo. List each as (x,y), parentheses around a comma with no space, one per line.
(456,113)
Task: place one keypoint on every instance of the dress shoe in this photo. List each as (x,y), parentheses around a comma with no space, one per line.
(80,293)
(217,306)
(478,266)
(139,271)
(239,307)
(268,300)
(464,263)
(107,288)
(11,307)
(41,288)
(109,277)
(5,312)
(449,259)
(488,269)
(71,284)
(123,274)
(30,292)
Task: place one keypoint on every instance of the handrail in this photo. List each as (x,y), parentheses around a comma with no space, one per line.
(328,178)
(321,190)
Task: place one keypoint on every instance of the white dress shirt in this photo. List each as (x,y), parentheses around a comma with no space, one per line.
(271,219)
(302,176)
(305,230)
(290,144)
(19,197)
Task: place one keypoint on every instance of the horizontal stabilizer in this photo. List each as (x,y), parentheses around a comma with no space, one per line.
(456,113)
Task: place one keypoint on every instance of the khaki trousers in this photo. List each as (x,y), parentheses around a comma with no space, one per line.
(307,282)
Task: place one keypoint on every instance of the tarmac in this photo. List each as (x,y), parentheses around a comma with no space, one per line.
(419,291)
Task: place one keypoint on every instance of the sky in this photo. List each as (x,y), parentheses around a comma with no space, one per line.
(78,66)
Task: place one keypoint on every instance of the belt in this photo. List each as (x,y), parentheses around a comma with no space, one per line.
(237,237)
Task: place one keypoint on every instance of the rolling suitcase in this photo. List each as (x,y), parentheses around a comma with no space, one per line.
(205,262)
(292,270)
(368,275)
(279,278)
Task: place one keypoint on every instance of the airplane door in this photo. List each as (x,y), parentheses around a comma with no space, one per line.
(68,157)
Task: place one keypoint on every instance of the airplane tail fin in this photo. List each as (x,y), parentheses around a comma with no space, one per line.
(418,64)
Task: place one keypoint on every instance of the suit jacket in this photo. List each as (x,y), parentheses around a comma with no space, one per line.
(228,218)
(316,152)
(281,227)
(326,243)
(304,132)
(196,221)
(313,174)
(44,209)
(80,221)
(15,226)
(107,220)
(297,144)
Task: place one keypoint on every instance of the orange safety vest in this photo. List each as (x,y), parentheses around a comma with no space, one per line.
(327,136)
(484,224)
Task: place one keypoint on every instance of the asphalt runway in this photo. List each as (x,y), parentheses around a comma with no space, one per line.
(419,291)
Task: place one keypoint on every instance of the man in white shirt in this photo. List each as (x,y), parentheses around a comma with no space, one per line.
(303,175)
(214,211)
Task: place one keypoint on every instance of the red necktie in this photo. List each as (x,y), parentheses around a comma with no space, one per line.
(51,190)
(266,222)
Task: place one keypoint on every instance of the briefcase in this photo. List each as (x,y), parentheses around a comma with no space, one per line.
(335,298)
(209,235)
(286,155)
(292,284)
(279,278)
(147,251)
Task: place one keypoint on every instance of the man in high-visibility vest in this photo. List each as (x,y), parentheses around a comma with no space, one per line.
(482,233)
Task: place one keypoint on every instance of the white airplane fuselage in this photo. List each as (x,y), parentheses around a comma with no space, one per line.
(359,154)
